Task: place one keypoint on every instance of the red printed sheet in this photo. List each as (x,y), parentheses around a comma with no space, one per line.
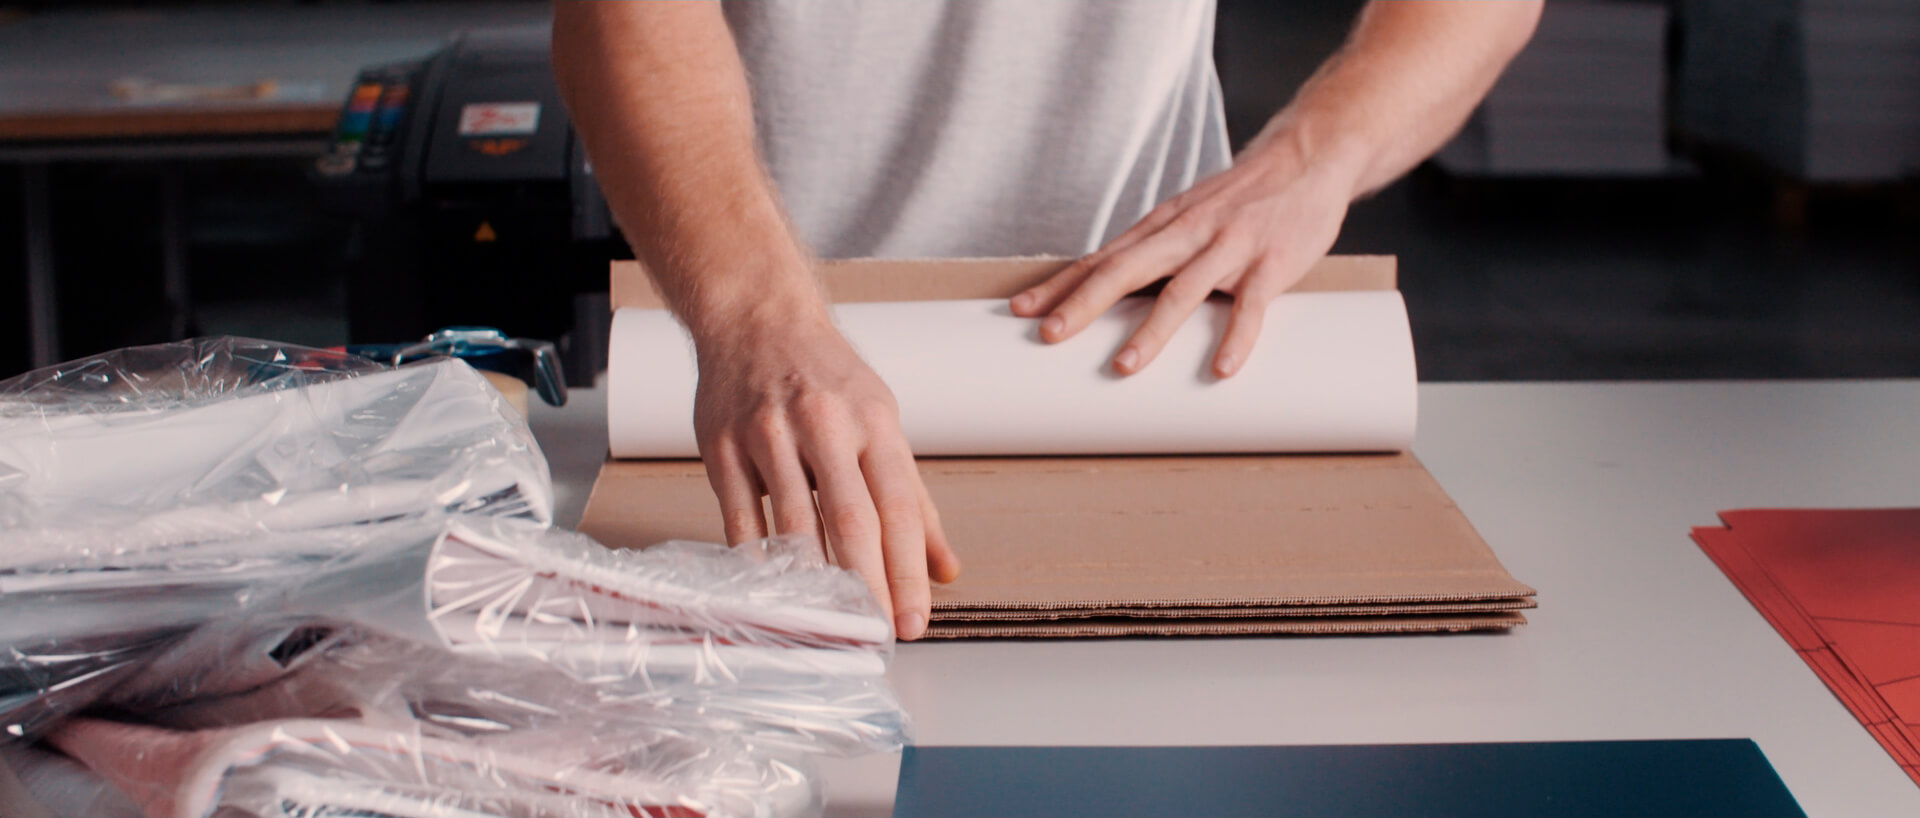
(1842,587)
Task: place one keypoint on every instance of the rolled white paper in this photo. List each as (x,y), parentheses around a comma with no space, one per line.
(1331,372)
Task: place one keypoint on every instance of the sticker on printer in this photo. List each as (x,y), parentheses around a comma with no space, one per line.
(499,118)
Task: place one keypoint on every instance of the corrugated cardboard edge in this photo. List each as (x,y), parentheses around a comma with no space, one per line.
(1243,612)
(851,281)
(1298,626)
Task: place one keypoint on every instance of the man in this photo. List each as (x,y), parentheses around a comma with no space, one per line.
(990,127)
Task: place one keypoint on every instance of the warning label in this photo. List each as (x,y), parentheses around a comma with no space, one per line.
(499,118)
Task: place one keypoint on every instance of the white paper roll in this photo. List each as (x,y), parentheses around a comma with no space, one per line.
(1332,372)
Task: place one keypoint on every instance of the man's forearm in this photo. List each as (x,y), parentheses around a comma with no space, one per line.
(1403,84)
(660,99)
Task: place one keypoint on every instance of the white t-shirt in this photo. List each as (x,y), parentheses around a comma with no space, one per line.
(921,128)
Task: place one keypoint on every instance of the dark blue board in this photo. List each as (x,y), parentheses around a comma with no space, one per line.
(1673,778)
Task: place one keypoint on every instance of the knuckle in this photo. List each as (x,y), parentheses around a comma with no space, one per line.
(1110,279)
(815,408)
(795,503)
(900,512)
(1195,220)
(1253,296)
(766,422)
(1185,290)
(1098,274)
(714,446)
(1271,270)
(1239,235)
(1074,304)
(851,522)
(740,522)
(879,414)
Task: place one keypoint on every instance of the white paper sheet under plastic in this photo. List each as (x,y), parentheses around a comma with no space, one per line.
(1332,371)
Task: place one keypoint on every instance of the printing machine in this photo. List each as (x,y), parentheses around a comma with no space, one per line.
(472,200)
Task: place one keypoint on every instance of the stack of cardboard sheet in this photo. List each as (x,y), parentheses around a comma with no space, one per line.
(1843,587)
(1246,544)
(1822,90)
(1586,97)
(1139,545)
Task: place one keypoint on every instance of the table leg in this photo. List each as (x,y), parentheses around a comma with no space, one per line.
(43,316)
(173,250)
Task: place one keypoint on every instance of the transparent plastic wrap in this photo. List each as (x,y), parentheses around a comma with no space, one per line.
(306,717)
(154,636)
(149,491)
(311,767)
(677,608)
(788,651)
(144,450)
(470,618)
(245,579)
(462,614)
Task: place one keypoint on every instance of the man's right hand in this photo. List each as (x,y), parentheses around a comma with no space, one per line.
(783,409)
(784,405)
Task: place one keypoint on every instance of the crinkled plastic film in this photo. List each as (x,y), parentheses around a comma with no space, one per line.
(766,638)
(125,455)
(311,767)
(149,491)
(342,575)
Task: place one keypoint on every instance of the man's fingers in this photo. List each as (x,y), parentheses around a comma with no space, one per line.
(1045,296)
(1041,298)
(735,483)
(852,524)
(1243,328)
(1183,294)
(942,564)
(788,492)
(1123,273)
(1159,217)
(894,484)
(1274,274)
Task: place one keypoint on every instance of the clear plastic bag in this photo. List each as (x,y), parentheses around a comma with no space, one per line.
(149,491)
(322,585)
(784,652)
(312,767)
(567,600)
(143,450)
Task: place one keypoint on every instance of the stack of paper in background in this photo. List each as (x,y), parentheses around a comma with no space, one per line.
(1821,90)
(1586,97)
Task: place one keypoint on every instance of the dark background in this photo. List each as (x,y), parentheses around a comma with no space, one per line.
(1725,268)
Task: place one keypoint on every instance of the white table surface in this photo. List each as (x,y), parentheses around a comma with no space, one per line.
(1587,492)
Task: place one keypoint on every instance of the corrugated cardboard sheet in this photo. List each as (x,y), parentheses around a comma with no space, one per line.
(1131,546)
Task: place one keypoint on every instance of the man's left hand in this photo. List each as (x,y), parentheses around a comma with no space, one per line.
(1251,231)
